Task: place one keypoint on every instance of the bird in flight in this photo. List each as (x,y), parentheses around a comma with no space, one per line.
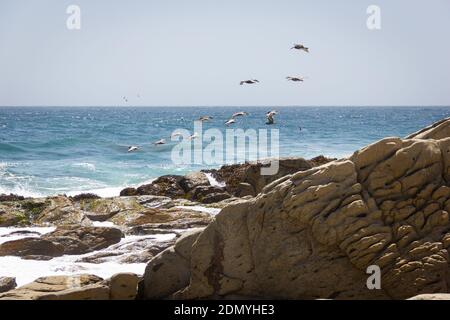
(205,118)
(270,115)
(239,114)
(176,134)
(300,47)
(296,79)
(162,141)
(132,148)
(194,136)
(230,122)
(252,81)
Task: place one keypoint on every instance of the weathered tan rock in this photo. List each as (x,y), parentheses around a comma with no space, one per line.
(59,211)
(159,216)
(80,287)
(81,239)
(437,131)
(31,247)
(314,233)
(10,218)
(123,286)
(432,296)
(245,189)
(169,271)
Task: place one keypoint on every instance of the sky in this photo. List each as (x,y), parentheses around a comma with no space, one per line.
(194,53)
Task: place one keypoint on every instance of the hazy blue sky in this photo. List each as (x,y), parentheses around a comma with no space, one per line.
(195,52)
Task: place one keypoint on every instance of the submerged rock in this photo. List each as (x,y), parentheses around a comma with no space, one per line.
(313,233)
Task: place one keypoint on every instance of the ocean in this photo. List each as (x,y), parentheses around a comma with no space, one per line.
(48,150)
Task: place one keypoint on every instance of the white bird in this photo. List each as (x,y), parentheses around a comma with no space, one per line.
(239,114)
(229,122)
(205,118)
(176,134)
(194,136)
(252,81)
(296,79)
(162,141)
(300,47)
(132,148)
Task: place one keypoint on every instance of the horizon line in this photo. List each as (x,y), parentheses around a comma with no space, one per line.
(225,106)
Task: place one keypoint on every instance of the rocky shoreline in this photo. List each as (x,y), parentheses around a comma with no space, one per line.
(308,232)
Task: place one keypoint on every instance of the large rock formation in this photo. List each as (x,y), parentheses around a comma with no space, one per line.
(314,233)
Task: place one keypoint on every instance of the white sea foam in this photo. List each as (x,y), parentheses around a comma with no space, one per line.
(213,181)
(87,165)
(26,271)
(21,191)
(10,234)
(104,192)
(104,224)
(211,211)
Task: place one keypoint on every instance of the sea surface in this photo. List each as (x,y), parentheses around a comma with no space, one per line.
(48,151)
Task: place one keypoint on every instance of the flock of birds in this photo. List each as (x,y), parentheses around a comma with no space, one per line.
(300,47)
(269,115)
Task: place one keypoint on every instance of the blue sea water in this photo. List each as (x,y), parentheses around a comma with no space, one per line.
(47,151)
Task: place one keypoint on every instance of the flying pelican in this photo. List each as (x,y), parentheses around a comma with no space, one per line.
(176,134)
(132,148)
(252,81)
(229,122)
(300,47)
(296,79)
(205,118)
(239,114)
(162,141)
(194,136)
(270,116)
